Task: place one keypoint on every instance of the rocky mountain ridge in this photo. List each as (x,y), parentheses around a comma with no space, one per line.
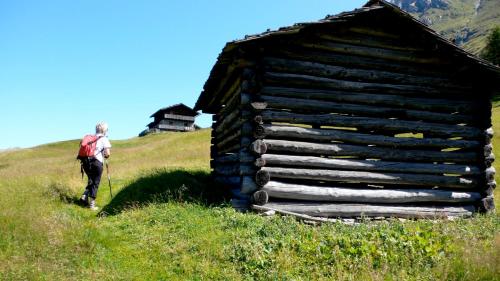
(420,6)
(466,22)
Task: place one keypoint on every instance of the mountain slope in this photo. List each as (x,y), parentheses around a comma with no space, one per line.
(467,22)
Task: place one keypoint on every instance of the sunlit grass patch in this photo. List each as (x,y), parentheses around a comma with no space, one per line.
(166,221)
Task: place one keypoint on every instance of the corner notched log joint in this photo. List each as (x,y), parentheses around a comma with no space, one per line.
(350,121)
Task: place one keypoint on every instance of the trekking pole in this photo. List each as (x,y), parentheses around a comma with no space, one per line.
(109,178)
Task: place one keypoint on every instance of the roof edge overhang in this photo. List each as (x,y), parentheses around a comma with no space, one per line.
(467,55)
(230,47)
(194,112)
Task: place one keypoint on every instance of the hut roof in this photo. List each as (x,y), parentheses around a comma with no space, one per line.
(180,107)
(225,62)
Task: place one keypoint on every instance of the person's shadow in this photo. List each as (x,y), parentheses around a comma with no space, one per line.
(162,186)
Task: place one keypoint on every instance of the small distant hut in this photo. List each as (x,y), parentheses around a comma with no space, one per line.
(366,113)
(176,118)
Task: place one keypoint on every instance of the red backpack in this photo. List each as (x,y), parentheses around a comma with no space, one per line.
(87,146)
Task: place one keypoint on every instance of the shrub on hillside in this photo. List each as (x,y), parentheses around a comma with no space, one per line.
(492,50)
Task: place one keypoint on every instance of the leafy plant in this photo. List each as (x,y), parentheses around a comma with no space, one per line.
(492,50)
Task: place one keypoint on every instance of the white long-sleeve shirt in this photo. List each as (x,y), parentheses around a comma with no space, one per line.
(101,145)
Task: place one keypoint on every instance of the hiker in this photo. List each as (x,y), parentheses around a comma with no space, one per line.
(93,165)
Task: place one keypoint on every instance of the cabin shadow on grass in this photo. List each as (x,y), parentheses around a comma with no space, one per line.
(161,186)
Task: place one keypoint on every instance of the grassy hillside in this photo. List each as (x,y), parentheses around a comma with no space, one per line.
(467,21)
(488,17)
(165,224)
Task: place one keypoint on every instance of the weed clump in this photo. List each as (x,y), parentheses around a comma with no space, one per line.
(62,192)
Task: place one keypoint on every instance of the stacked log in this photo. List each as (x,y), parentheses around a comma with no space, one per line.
(337,137)
(487,203)
(232,131)
(326,127)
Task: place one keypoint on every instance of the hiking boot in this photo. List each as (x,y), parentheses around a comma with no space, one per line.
(84,200)
(93,206)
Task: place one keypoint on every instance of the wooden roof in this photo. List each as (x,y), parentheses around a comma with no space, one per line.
(227,61)
(180,107)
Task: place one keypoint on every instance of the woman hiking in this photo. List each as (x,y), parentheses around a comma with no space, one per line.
(93,165)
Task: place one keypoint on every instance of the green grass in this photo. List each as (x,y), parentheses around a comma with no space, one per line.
(166,222)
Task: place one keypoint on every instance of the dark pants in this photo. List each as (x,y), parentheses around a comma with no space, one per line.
(93,169)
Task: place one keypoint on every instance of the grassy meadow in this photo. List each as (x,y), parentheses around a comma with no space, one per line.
(166,222)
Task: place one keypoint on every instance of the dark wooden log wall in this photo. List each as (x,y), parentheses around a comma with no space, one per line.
(232,162)
(355,124)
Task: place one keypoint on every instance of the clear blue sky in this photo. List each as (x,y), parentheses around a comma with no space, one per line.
(65,65)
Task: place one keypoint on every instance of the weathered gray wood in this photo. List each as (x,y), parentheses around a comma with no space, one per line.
(232,104)
(235,69)
(237,96)
(248,185)
(328,135)
(242,89)
(237,146)
(394,55)
(317,106)
(214,151)
(488,160)
(223,124)
(488,149)
(278,65)
(243,128)
(228,87)
(370,123)
(246,157)
(230,138)
(487,205)
(341,194)
(373,31)
(297,215)
(227,170)
(260,197)
(232,182)
(228,149)
(491,184)
(487,191)
(360,210)
(364,165)
(241,205)
(236,169)
(307,81)
(230,158)
(262,177)
(218,117)
(236,194)
(246,98)
(432,74)
(366,177)
(357,39)
(258,106)
(242,157)
(429,103)
(236,102)
(490,174)
(263,146)
(488,135)
(258,119)
(258,147)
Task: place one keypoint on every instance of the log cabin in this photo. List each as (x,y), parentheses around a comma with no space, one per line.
(174,118)
(367,113)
